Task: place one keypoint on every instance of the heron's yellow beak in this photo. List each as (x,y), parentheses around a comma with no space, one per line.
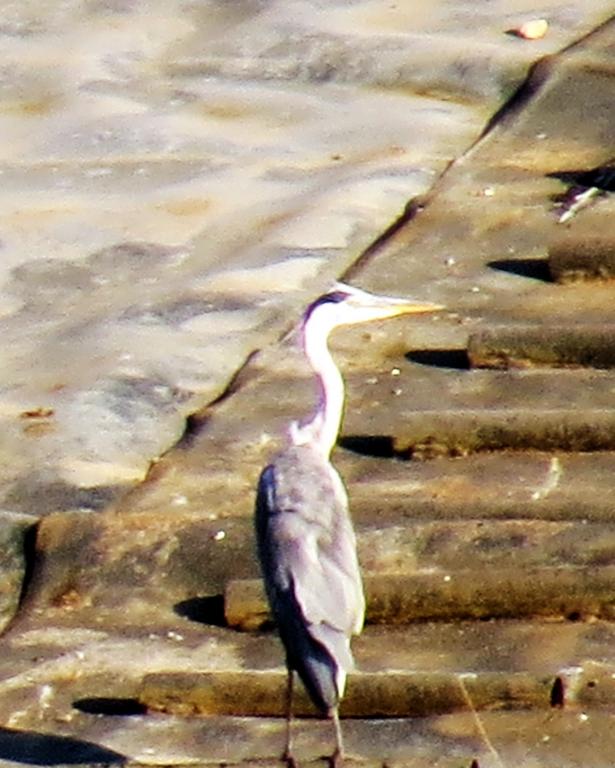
(414,308)
(383,307)
(353,305)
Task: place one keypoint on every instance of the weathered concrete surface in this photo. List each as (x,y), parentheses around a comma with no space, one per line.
(159,225)
(530,522)
(392,691)
(449,594)
(176,189)
(511,347)
(125,599)
(425,669)
(187,179)
(16,539)
(564,738)
(581,255)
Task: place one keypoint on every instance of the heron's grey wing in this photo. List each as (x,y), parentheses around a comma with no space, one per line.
(336,551)
(319,563)
(330,594)
(311,575)
(327,580)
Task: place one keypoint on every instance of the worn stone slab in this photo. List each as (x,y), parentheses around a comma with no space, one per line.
(381,385)
(498,200)
(449,594)
(16,536)
(169,557)
(418,671)
(191,667)
(482,486)
(377,695)
(593,687)
(93,692)
(391,392)
(482,410)
(136,281)
(100,566)
(380,378)
(366,45)
(456,433)
(99,625)
(566,738)
(526,346)
(391,397)
(582,255)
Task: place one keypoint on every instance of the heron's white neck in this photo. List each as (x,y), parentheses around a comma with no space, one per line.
(323,428)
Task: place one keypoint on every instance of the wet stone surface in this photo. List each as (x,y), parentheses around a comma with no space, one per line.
(187,180)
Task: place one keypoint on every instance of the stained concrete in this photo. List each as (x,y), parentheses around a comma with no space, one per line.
(122,622)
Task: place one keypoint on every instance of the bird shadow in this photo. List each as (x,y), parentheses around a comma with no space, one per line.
(377,446)
(33,748)
(534,269)
(203,610)
(109,705)
(456,359)
(602,177)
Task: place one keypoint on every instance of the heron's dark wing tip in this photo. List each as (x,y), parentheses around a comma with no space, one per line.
(265,491)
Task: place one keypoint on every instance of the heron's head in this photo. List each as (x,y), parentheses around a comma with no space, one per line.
(345,305)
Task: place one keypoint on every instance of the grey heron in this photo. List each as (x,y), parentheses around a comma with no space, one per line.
(305,538)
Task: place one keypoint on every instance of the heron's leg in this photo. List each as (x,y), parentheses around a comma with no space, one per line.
(337,758)
(288,751)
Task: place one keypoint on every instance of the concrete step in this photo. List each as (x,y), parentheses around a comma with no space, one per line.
(419,670)
(566,738)
(521,346)
(483,410)
(476,593)
(484,486)
(184,696)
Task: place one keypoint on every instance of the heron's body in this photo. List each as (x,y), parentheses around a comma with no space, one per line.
(312,577)
(306,542)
